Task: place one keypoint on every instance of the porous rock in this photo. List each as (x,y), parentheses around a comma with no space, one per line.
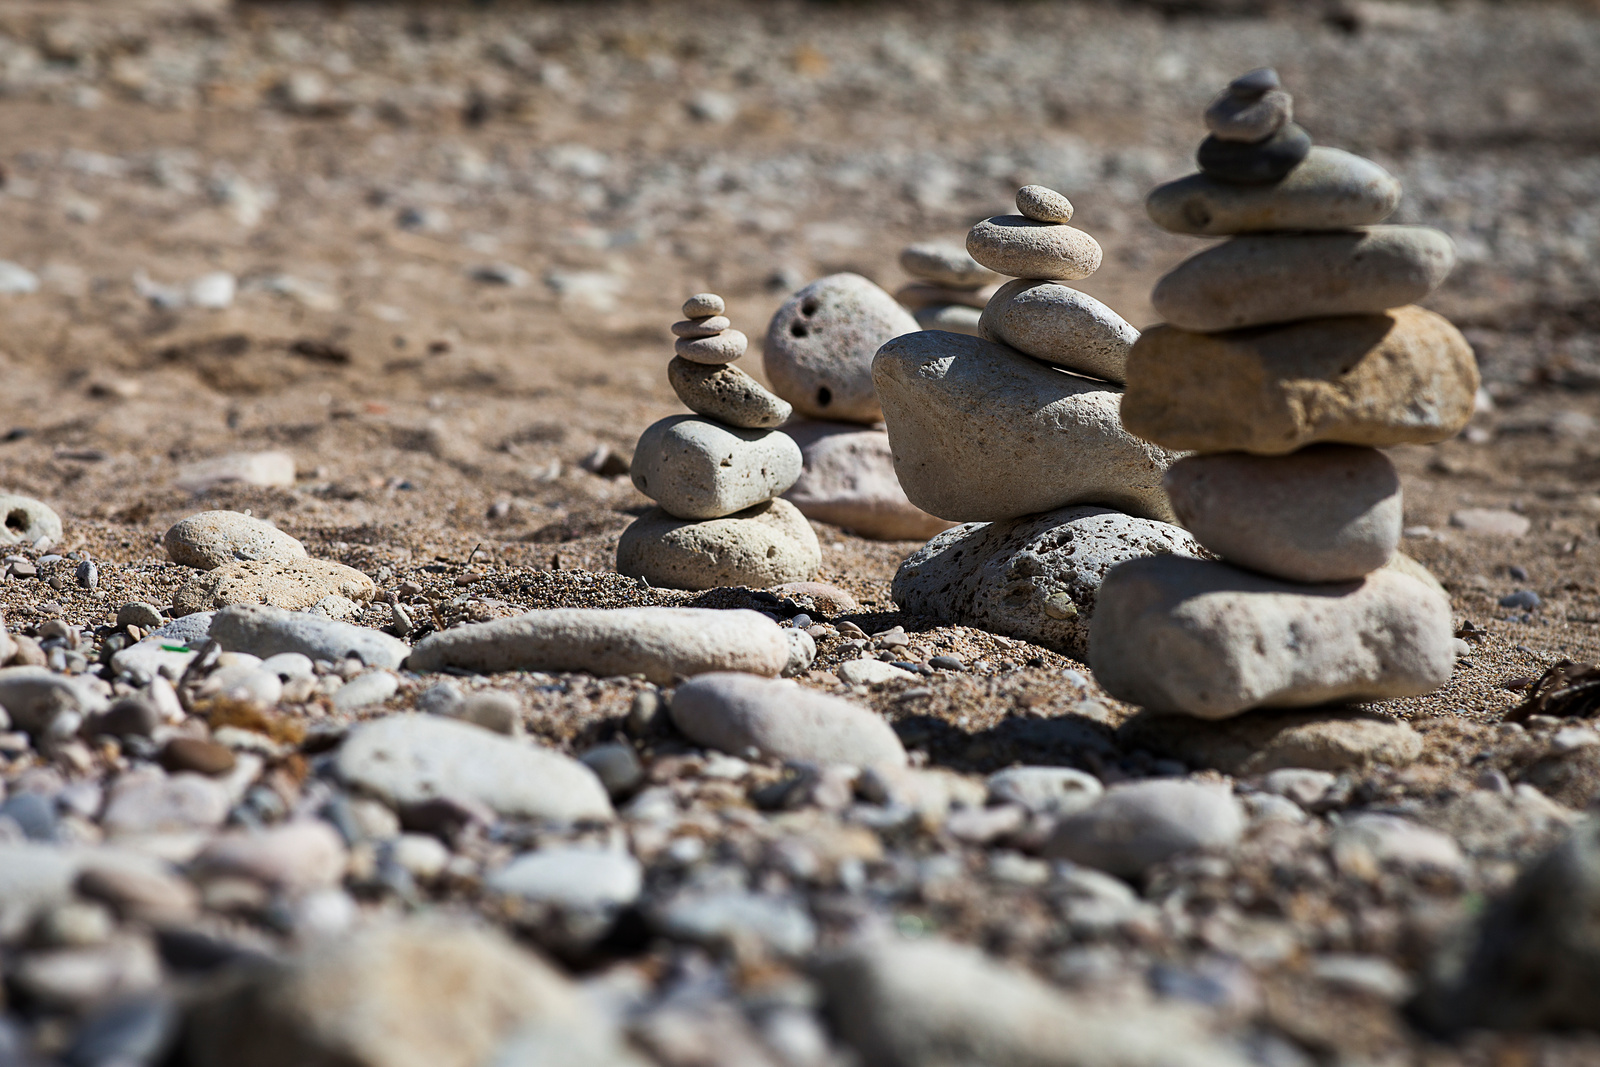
(781,720)
(212,539)
(849,480)
(818,353)
(768,544)
(294,584)
(25,520)
(1060,325)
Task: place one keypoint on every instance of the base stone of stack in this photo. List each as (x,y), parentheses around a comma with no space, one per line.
(1404,377)
(1328,513)
(982,433)
(1060,325)
(698,469)
(952,318)
(1035,578)
(769,544)
(1333,740)
(849,481)
(1331,190)
(818,352)
(1210,640)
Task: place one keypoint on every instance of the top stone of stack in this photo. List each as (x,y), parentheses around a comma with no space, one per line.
(1038,243)
(705,335)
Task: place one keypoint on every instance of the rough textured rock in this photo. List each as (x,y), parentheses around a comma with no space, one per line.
(1043,204)
(945,264)
(423,993)
(1210,640)
(934,1003)
(1265,740)
(769,544)
(24,519)
(849,480)
(781,720)
(1034,578)
(1135,826)
(408,759)
(1330,190)
(1406,377)
(1256,281)
(1326,513)
(1020,247)
(660,643)
(697,469)
(292,584)
(214,539)
(982,433)
(267,631)
(727,394)
(818,354)
(1060,325)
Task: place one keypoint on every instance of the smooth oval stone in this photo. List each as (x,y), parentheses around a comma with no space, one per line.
(697,469)
(273,632)
(982,433)
(727,394)
(1017,246)
(571,877)
(294,857)
(1210,640)
(1327,513)
(919,295)
(702,304)
(214,539)
(1258,162)
(706,326)
(945,264)
(769,544)
(1252,83)
(1137,825)
(1407,377)
(1249,118)
(781,720)
(1048,790)
(724,347)
(951,318)
(1035,578)
(818,354)
(849,481)
(295,584)
(1331,190)
(1257,281)
(1060,325)
(24,519)
(659,643)
(1042,204)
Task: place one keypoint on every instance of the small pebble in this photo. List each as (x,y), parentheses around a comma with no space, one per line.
(703,304)
(1043,205)
(1521,600)
(193,754)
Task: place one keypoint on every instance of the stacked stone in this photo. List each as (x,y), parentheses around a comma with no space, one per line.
(818,357)
(1291,353)
(715,475)
(951,287)
(1017,434)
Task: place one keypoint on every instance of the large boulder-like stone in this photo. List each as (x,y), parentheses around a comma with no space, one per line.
(1330,190)
(982,433)
(1405,377)
(1034,578)
(849,481)
(818,353)
(769,544)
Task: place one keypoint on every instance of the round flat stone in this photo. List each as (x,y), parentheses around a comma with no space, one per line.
(723,347)
(1060,325)
(1043,205)
(727,394)
(698,469)
(702,304)
(769,544)
(1249,163)
(1255,281)
(1017,246)
(1331,190)
(706,326)
(820,343)
(1232,117)
(945,264)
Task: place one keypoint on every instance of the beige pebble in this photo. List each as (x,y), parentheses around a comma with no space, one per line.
(1042,204)
(294,584)
(725,347)
(708,326)
(1330,190)
(213,539)
(1022,248)
(727,394)
(702,304)
(1060,325)
(921,294)
(848,480)
(946,265)
(698,469)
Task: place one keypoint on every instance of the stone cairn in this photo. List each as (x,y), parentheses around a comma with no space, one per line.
(1291,353)
(818,356)
(715,475)
(1017,434)
(951,287)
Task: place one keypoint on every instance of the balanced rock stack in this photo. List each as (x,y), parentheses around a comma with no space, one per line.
(1291,354)
(951,287)
(1018,435)
(715,475)
(818,356)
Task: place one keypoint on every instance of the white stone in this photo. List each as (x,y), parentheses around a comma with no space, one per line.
(295,857)
(1492,522)
(1057,791)
(26,520)
(727,395)
(572,877)
(848,480)
(698,469)
(266,631)
(982,433)
(818,353)
(802,652)
(1139,824)
(1060,325)
(719,348)
(1043,204)
(211,539)
(870,672)
(1021,247)
(364,690)
(769,544)
(782,720)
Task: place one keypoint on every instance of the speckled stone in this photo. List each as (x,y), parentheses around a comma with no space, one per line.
(698,469)
(212,539)
(820,343)
(1017,246)
(1042,204)
(1060,325)
(727,394)
(294,584)
(769,544)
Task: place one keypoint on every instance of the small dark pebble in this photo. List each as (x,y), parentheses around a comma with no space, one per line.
(193,754)
(1258,163)
(1518,574)
(1524,599)
(947,663)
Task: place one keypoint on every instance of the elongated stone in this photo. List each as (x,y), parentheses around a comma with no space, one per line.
(1406,377)
(211,539)
(698,469)
(945,265)
(1258,162)
(1331,190)
(781,720)
(1210,640)
(1256,281)
(766,545)
(982,433)
(295,584)
(1060,325)
(1021,247)
(726,394)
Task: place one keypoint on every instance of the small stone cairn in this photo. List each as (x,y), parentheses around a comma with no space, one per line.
(1291,353)
(1017,434)
(715,475)
(951,287)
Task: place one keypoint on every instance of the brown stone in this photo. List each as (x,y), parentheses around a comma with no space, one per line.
(194,754)
(290,584)
(1263,740)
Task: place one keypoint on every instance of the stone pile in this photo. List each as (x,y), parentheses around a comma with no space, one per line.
(1018,434)
(951,287)
(1291,353)
(716,475)
(818,356)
